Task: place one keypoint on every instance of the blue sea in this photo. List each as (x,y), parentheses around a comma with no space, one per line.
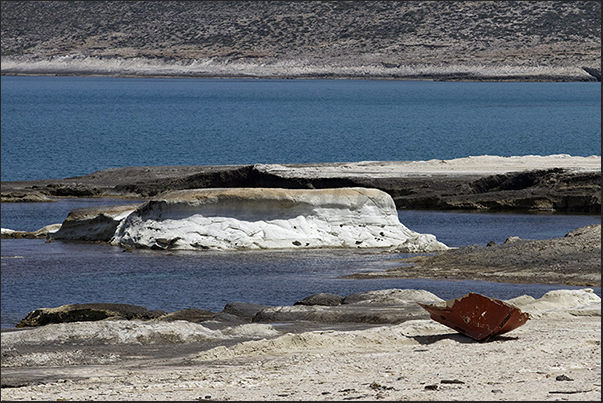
(58,127)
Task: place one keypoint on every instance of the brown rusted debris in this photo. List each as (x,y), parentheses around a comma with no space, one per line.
(477,316)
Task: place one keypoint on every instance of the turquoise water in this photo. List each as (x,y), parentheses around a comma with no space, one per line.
(57,127)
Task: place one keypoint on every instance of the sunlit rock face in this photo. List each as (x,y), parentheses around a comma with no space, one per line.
(271,218)
(92,223)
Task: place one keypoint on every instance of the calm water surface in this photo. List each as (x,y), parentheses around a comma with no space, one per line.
(57,127)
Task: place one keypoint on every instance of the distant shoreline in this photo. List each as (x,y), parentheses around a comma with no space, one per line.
(325,77)
(288,69)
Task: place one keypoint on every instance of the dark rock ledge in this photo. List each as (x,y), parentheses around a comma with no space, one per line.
(552,189)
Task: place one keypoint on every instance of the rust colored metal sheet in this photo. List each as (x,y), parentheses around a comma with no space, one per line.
(477,316)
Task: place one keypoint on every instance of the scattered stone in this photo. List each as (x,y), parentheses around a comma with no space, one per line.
(563,378)
(452,381)
(378,386)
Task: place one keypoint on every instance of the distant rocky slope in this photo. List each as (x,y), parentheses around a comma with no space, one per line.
(454,40)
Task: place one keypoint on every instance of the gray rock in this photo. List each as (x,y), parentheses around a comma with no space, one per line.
(243,310)
(321,299)
(93,223)
(392,296)
(39,234)
(86,312)
(351,313)
(191,314)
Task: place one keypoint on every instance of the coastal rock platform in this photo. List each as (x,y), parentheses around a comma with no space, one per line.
(574,259)
(556,183)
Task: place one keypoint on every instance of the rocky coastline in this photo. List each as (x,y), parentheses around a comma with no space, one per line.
(296,69)
(558,183)
(247,351)
(378,345)
(551,184)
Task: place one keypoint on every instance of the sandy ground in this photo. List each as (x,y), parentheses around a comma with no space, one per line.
(556,355)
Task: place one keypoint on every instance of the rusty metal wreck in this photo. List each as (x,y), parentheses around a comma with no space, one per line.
(477,316)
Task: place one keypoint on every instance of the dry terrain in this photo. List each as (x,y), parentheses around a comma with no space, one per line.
(556,355)
(443,40)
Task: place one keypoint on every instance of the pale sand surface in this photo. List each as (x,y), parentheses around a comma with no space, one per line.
(414,360)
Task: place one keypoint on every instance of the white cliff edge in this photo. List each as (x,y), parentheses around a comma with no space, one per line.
(271,218)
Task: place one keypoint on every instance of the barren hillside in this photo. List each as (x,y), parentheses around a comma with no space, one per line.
(529,40)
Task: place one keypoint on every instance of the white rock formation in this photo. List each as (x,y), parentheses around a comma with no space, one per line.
(271,218)
(560,304)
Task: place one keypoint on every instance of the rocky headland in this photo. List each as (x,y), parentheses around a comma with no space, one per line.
(426,40)
(574,259)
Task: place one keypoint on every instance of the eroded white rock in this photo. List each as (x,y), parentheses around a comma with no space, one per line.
(560,303)
(271,218)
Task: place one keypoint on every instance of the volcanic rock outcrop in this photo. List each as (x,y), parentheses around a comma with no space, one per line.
(271,218)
